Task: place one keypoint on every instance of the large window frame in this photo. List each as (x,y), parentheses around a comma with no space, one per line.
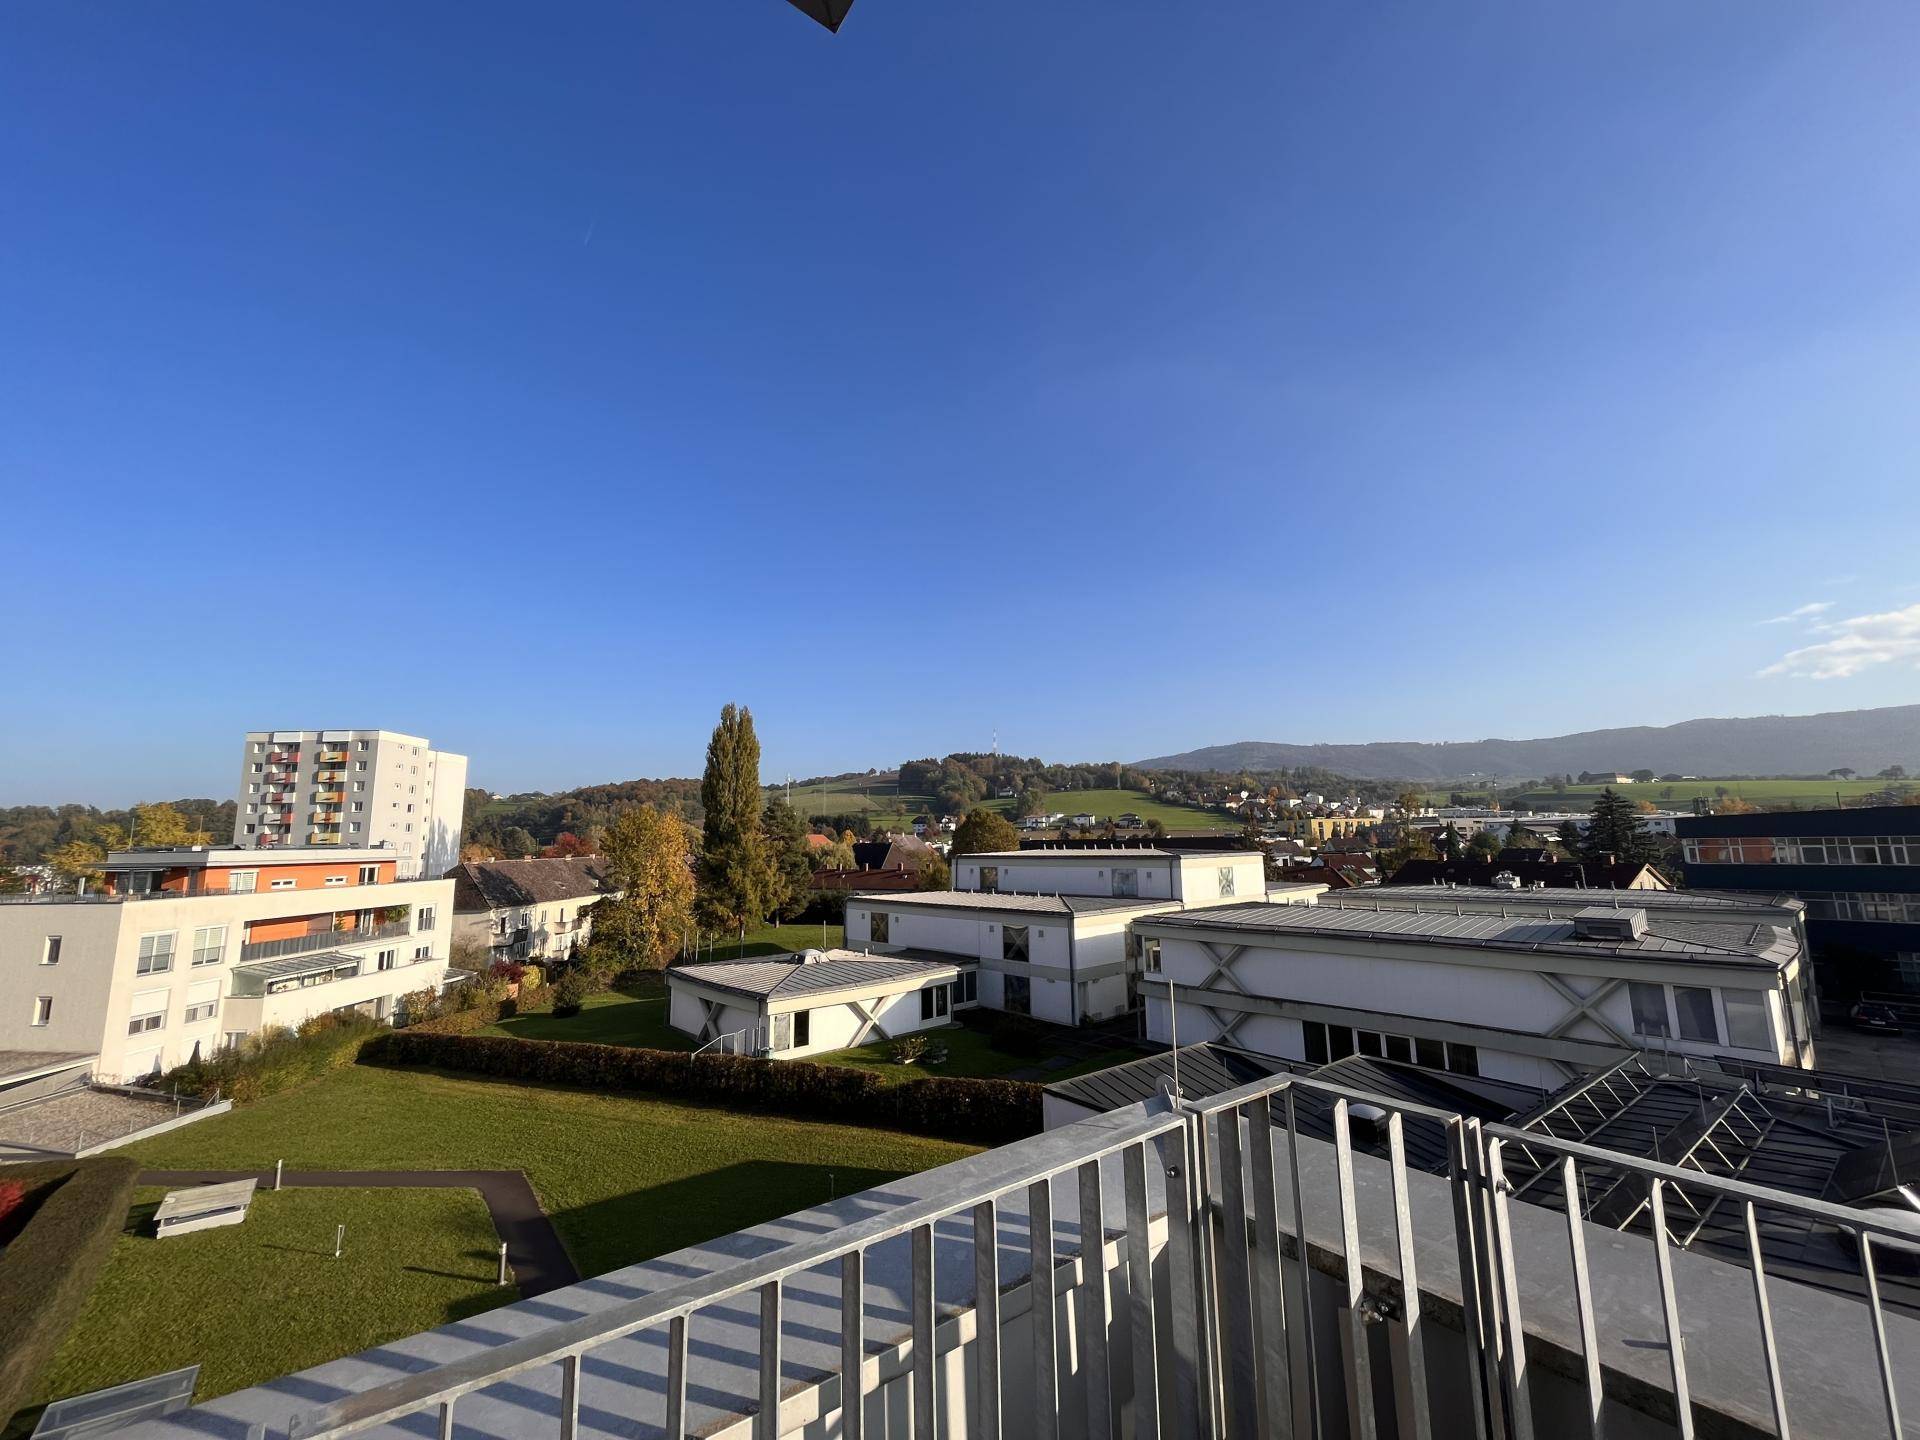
(154,957)
(1016,945)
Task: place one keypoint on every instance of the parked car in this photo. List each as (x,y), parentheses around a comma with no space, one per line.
(1874,1018)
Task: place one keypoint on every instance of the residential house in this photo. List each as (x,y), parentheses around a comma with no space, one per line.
(536,909)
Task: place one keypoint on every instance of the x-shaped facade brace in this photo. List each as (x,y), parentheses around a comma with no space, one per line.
(1585,1007)
(863,1011)
(1221,958)
(711,1012)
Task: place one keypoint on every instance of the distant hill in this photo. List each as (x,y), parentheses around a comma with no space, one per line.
(1863,740)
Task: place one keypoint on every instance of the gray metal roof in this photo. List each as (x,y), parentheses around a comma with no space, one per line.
(288,967)
(1727,942)
(17,1065)
(781,976)
(1205,1070)
(1002,900)
(1556,896)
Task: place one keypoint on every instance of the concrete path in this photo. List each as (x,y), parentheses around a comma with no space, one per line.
(534,1253)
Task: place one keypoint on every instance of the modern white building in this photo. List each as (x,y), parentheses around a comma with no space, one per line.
(189,950)
(1520,995)
(791,1006)
(352,788)
(1199,877)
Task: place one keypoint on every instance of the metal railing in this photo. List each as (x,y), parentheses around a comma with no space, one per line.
(321,940)
(104,898)
(1228,1332)
(748,1040)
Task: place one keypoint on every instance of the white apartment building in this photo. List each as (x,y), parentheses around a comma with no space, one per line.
(1051,931)
(190,950)
(1518,995)
(352,788)
(534,909)
(1203,877)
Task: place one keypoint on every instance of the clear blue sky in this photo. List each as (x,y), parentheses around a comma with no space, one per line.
(1125,376)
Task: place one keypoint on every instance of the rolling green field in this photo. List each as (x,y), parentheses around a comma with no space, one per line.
(260,1299)
(1680,794)
(623,1177)
(883,804)
(1112,804)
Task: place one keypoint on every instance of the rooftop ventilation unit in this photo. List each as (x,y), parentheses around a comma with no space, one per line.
(1605,922)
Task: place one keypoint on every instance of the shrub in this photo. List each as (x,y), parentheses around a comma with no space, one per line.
(47,1272)
(984,1111)
(569,993)
(509,971)
(909,1051)
(274,1060)
(531,978)
(13,1199)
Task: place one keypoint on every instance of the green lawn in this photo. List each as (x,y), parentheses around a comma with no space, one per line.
(1680,794)
(635,1015)
(257,1300)
(775,940)
(968,1054)
(624,1177)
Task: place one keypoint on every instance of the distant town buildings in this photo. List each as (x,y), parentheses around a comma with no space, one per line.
(352,788)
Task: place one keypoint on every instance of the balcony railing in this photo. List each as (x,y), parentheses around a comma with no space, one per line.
(1297,1287)
(102,898)
(322,940)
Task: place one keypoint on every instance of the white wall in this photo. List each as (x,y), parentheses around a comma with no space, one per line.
(1200,884)
(1062,872)
(1506,993)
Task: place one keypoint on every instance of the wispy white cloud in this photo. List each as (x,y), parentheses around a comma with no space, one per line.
(1856,644)
(1804,612)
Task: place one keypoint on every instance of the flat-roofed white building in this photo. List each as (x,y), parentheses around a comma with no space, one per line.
(1520,996)
(1192,877)
(189,950)
(350,788)
(791,1006)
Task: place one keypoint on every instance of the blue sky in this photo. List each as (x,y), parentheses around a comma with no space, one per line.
(1120,376)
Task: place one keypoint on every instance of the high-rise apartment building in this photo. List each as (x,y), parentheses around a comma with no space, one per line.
(354,788)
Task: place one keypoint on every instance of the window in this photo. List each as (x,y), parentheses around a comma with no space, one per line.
(206,1010)
(423,918)
(1430,1053)
(422,952)
(1226,880)
(1649,1009)
(386,959)
(43,1010)
(967,988)
(1016,995)
(934,1002)
(1370,1043)
(1013,942)
(878,928)
(50,952)
(1339,1042)
(336,880)
(1748,1025)
(989,877)
(285,883)
(140,1024)
(359,764)
(1150,956)
(360,745)
(1693,1007)
(256,767)
(243,882)
(1400,1048)
(802,1028)
(1462,1059)
(1316,1041)
(156,954)
(359,788)
(1126,882)
(210,945)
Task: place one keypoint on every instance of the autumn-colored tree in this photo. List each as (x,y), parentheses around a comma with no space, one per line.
(1412,844)
(566,845)
(78,860)
(164,825)
(648,858)
(475,853)
(1734,805)
(984,831)
(935,873)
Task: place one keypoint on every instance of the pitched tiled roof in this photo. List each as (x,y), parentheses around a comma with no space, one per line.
(504,884)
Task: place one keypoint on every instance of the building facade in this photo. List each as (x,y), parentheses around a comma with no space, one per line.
(187,951)
(537,909)
(1521,996)
(1858,871)
(352,788)
(1143,873)
(791,1006)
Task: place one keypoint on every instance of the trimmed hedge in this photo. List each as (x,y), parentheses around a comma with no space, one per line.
(985,1111)
(50,1268)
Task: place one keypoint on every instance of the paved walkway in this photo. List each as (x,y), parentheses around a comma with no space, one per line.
(534,1253)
